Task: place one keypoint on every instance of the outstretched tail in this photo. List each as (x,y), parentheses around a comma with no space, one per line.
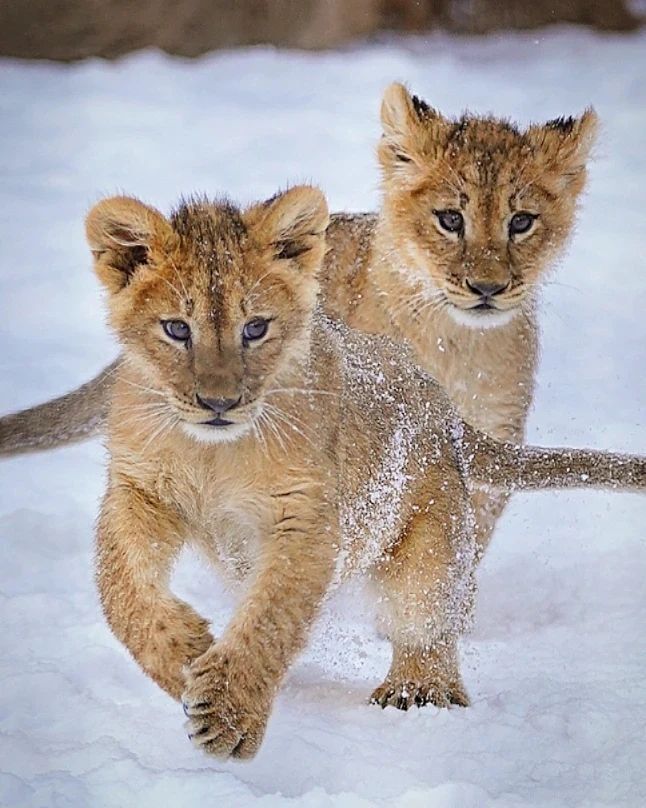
(512,467)
(71,418)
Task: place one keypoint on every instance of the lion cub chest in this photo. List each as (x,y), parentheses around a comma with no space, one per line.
(227,506)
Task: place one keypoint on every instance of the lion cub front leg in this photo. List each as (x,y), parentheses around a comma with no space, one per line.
(425,597)
(230,689)
(137,541)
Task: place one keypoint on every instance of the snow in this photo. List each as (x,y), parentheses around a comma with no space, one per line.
(555,663)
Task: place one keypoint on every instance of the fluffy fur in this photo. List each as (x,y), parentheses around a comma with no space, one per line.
(344,458)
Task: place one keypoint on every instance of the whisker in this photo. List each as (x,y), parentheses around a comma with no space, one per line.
(142,387)
(289,420)
(261,278)
(257,431)
(172,286)
(165,425)
(302,390)
(151,405)
(144,419)
(280,421)
(272,426)
(180,279)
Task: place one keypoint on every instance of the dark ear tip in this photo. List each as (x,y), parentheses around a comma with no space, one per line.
(421,107)
(561,124)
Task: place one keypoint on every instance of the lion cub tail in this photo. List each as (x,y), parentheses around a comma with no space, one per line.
(513,467)
(71,418)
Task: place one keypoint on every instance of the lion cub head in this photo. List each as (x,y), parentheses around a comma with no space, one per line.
(212,305)
(477,208)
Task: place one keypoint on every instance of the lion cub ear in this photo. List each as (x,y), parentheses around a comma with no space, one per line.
(294,224)
(412,130)
(564,144)
(120,231)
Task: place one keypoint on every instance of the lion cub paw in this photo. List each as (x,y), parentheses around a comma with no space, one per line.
(403,695)
(227,716)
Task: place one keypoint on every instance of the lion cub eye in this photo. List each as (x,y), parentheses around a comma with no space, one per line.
(521,223)
(255,329)
(450,220)
(177,329)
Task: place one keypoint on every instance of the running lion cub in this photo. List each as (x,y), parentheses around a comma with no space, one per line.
(292,451)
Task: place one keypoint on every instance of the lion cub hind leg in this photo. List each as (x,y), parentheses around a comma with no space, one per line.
(423,674)
(426,593)
(488,508)
(138,541)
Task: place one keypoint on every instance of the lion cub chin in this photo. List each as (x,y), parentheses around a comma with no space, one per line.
(335,454)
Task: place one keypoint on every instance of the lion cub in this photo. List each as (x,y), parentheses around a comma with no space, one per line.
(292,451)
(474,213)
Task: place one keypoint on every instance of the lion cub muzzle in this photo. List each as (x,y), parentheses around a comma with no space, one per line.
(218,406)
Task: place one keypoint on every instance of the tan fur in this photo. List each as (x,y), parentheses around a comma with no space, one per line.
(341,456)
(399,274)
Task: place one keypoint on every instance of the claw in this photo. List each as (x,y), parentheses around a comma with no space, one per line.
(197,734)
(195,709)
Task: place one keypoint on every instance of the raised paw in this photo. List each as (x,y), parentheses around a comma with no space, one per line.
(403,695)
(227,714)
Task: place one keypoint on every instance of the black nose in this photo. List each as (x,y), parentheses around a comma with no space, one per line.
(486,288)
(218,405)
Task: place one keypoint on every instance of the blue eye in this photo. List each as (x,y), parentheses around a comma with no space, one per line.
(450,220)
(521,223)
(177,330)
(255,329)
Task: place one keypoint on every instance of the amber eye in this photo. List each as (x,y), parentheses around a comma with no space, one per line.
(521,223)
(177,329)
(450,220)
(255,329)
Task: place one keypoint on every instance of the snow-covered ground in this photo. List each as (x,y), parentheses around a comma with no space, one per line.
(555,664)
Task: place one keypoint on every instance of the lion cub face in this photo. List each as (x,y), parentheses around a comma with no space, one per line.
(214,303)
(478,209)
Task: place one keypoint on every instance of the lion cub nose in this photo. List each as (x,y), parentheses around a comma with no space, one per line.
(218,405)
(486,288)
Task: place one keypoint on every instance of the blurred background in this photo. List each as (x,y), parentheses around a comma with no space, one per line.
(66,30)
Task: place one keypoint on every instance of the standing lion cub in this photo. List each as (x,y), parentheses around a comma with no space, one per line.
(292,451)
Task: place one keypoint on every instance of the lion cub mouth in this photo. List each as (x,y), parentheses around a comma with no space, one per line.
(217,422)
(217,430)
(483,315)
